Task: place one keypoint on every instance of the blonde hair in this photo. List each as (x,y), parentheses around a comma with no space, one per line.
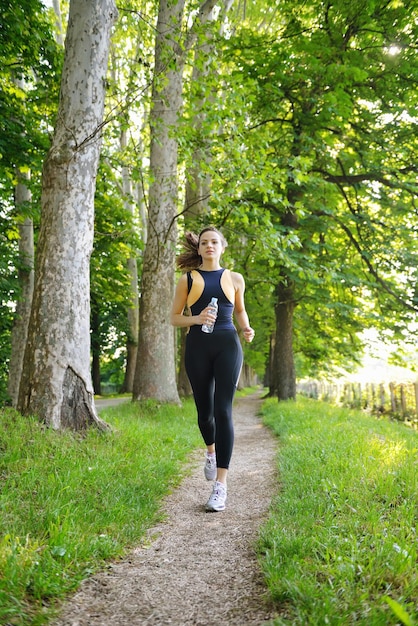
(190,259)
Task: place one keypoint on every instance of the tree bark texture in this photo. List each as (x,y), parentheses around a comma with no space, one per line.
(183,382)
(248,378)
(283,371)
(155,375)
(132,266)
(198,184)
(95,348)
(56,381)
(26,282)
(133,326)
(59,37)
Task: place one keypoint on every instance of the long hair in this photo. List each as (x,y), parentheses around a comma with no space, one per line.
(190,259)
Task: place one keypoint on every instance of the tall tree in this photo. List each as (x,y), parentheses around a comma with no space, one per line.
(155,374)
(330,132)
(197,180)
(26,261)
(28,90)
(132,266)
(115,242)
(130,75)
(56,381)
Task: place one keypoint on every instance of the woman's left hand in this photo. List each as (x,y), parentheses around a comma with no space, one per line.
(248,333)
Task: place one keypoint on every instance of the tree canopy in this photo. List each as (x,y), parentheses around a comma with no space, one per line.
(295,133)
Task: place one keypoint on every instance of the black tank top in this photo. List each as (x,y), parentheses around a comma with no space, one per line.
(213,289)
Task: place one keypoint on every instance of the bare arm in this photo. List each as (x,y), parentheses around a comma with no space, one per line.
(177,317)
(240,311)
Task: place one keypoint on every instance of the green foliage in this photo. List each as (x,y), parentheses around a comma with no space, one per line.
(313,169)
(112,369)
(116,240)
(69,504)
(304,116)
(399,611)
(5,330)
(9,291)
(340,540)
(30,62)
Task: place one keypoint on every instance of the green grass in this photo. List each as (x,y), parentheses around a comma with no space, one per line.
(340,546)
(69,504)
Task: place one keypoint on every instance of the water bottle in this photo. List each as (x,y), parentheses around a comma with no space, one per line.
(208,328)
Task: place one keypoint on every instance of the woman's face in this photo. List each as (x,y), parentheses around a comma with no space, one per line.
(210,245)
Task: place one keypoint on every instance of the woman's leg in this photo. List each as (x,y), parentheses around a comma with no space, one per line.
(199,369)
(227,368)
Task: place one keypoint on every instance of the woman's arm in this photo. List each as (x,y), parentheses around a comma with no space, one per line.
(177,317)
(239,310)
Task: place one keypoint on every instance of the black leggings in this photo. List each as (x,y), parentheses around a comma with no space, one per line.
(213,365)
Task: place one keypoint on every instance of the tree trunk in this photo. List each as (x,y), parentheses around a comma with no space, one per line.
(268,374)
(26,280)
(283,375)
(95,348)
(248,377)
(131,357)
(183,383)
(155,375)
(133,310)
(198,183)
(59,31)
(133,327)
(133,313)
(56,381)
(283,372)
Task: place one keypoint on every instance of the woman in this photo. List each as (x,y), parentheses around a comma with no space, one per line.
(213,361)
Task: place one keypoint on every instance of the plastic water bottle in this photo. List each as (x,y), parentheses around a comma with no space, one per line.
(213,305)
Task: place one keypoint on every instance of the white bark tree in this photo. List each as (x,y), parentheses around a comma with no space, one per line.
(26,281)
(59,31)
(132,266)
(56,380)
(155,372)
(26,259)
(155,375)
(198,184)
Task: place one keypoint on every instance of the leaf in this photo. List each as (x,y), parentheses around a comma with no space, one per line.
(399,611)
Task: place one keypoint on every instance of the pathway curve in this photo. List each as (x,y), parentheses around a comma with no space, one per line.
(194,568)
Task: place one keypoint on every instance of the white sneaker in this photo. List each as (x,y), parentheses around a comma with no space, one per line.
(217,499)
(210,467)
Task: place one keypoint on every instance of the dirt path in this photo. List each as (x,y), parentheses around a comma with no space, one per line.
(194,568)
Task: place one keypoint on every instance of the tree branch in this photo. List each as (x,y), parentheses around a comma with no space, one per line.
(367,262)
(201,18)
(355,179)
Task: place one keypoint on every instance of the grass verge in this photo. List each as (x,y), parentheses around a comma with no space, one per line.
(69,504)
(340,546)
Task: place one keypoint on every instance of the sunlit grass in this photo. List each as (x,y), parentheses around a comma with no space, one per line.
(69,504)
(342,533)
(340,546)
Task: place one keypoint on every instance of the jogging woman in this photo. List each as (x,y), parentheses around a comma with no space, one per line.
(213,360)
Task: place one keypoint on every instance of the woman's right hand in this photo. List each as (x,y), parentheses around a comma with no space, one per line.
(207,316)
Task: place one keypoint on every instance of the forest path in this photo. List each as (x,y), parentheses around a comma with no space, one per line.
(194,568)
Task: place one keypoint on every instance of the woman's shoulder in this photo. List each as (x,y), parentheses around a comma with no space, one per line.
(237,279)
(185,276)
